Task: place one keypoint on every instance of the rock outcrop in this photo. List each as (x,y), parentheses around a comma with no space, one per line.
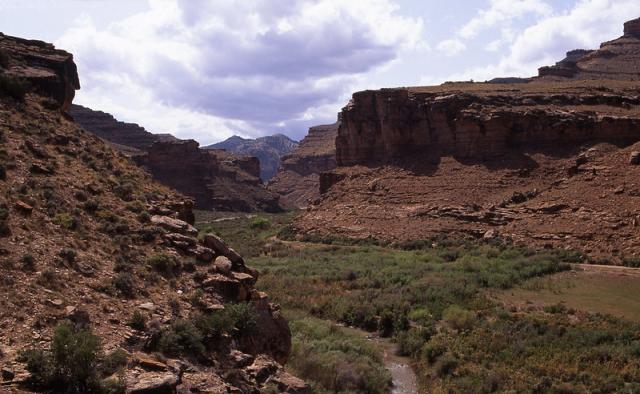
(215,179)
(543,163)
(269,150)
(124,135)
(297,181)
(50,71)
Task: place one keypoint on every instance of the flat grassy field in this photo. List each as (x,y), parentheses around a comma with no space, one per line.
(597,289)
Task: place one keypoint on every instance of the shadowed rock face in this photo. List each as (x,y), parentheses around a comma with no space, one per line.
(269,150)
(298,180)
(50,71)
(216,179)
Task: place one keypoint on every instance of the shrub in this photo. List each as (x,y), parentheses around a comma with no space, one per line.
(49,279)
(181,337)
(164,264)
(90,205)
(66,220)
(459,318)
(68,255)
(125,284)
(445,365)
(138,321)
(114,362)
(28,262)
(70,366)
(259,223)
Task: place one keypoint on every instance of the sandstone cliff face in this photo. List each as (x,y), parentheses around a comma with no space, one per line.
(215,179)
(298,180)
(544,163)
(50,71)
(108,128)
(269,150)
(387,125)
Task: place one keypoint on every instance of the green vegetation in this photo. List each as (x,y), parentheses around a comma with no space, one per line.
(451,308)
(193,337)
(334,360)
(249,235)
(164,264)
(73,364)
(138,321)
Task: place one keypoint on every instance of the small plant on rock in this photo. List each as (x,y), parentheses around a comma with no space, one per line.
(138,321)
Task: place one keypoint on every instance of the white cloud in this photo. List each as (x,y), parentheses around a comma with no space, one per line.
(451,47)
(585,26)
(210,68)
(502,11)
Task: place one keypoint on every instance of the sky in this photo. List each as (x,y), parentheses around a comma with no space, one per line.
(209,69)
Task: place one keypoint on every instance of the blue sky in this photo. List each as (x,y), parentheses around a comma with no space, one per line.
(207,69)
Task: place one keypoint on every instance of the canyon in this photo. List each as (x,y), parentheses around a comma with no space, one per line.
(544,162)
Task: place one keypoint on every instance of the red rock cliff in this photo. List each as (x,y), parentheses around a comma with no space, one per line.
(50,71)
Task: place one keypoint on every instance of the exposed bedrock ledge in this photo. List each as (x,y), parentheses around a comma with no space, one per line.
(52,72)
(385,125)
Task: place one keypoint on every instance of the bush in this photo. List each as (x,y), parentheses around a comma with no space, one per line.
(182,338)
(28,262)
(114,362)
(138,321)
(68,255)
(66,220)
(445,365)
(13,87)
(125,284)
(164,264)
(459,318)
(70,366)
(259,223)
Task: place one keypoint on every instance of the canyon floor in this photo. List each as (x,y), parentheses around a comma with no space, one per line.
(470,317)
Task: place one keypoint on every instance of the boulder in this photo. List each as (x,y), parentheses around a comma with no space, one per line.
(153,383)
(220,247)
(173,225)
(290,384)
(634,158)
(223,265)
(202,253)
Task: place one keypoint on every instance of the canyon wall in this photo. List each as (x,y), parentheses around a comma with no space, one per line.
(216,179)
(298,179)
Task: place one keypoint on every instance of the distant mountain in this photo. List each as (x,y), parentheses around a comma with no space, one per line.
(268,150)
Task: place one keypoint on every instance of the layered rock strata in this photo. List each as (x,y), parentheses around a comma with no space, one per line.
(298,179)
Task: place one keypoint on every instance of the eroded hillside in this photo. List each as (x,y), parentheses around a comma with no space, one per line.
(101,260)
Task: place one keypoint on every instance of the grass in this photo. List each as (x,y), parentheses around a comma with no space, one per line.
(439,305)
(605,292)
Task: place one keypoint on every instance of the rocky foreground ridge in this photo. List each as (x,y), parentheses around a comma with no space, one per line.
(269,150)
(548,161)
(298,179)
(215,179)
(91,245)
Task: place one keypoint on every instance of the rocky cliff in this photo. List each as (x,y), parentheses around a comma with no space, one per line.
(49,71)
(542,163)
(269,150)
(216,179)
(297,181)
(101,261)
(108,128)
